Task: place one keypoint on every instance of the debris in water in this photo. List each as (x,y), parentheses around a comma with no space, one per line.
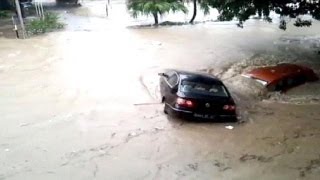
(229,127)
(248,157)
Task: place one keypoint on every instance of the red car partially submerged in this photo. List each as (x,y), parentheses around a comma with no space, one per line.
(282,76)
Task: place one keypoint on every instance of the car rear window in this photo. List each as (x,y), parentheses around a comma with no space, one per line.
(204,88)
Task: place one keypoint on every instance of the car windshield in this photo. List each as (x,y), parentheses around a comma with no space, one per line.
(204,88)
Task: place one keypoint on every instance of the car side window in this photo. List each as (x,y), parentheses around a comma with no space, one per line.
(173,80)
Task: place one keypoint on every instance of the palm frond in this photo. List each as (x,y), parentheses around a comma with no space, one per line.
(204,6)
(148,7)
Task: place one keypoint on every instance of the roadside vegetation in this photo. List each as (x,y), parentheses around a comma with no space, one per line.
(49,22)
(240,10)
(4,14)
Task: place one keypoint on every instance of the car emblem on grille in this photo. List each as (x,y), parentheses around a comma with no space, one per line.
(207,105)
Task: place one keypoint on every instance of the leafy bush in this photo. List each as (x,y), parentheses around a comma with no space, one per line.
(4,14)
(49,23)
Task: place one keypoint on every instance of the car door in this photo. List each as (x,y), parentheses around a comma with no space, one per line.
(163,83)
(171,88)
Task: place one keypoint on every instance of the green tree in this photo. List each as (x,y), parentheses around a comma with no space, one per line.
(204,5)
(243,9)
(154,7)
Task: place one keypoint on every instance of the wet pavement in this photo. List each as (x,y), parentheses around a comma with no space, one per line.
(83,103)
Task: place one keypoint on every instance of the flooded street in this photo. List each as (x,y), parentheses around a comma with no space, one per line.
(83,103)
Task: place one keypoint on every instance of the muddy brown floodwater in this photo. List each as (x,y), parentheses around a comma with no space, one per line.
(82,103)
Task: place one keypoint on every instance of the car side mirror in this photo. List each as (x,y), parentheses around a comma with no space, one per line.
(163,75)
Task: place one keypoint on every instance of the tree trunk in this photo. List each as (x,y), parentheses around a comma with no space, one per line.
(194,11)
(156,20)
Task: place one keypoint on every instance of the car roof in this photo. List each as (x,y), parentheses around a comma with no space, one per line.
(197,76)
(274,73)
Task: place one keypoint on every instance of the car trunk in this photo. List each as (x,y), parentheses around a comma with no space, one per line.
(206,104)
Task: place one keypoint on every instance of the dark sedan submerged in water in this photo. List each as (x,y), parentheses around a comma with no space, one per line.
(196,95)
